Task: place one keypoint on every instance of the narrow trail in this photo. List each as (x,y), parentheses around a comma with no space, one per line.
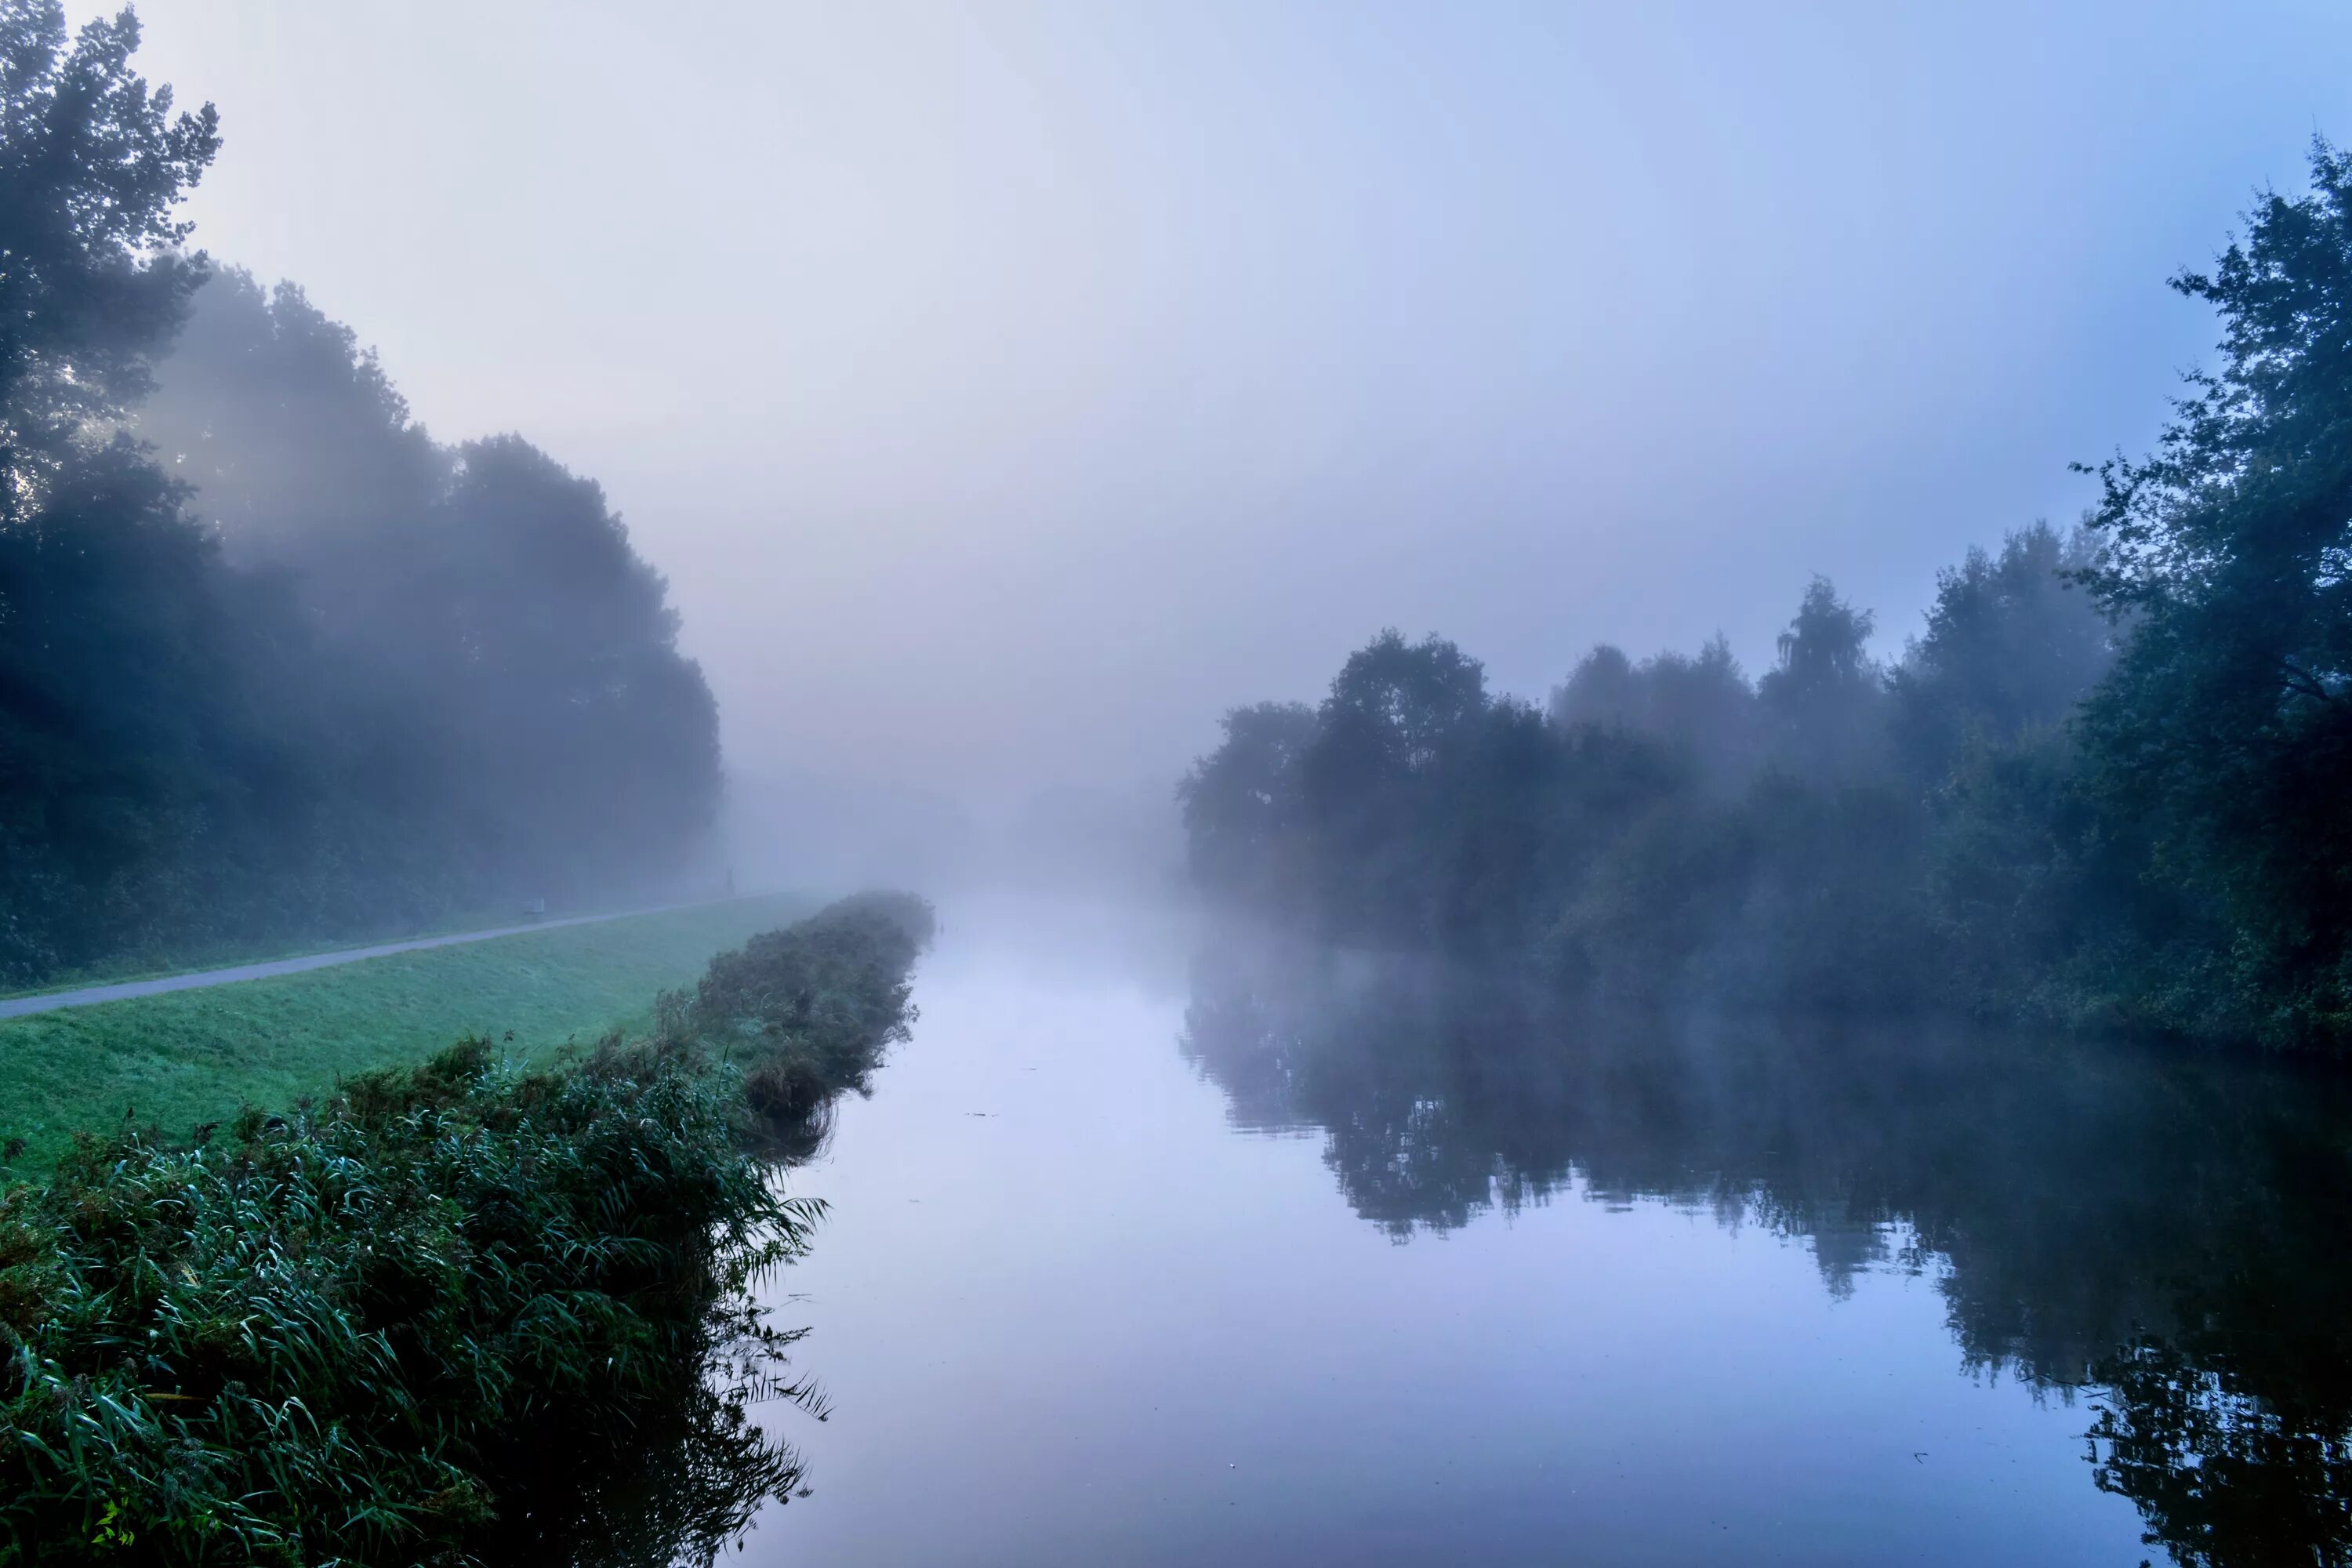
(17,1006)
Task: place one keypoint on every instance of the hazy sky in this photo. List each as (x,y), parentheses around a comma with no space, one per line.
(1008,389)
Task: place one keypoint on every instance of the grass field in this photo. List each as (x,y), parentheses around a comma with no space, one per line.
(228,955)
(192,1057)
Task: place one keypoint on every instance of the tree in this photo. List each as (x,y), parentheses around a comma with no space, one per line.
(2226,727)
(1409,699)
(510,662)
(2012,644)
(1371,783)
(1235,801)
(587,735)
(1703,705)
(1605,690)
(383,678)
(92,167)
(302,450)
(124,738)
(1821,702)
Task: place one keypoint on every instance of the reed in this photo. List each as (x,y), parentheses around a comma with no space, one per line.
(448,1313)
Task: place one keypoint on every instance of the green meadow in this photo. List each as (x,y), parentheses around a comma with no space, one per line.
(178,1060)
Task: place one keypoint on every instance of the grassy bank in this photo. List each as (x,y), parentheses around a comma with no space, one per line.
(229,956)
(179,1060)
(449,1313)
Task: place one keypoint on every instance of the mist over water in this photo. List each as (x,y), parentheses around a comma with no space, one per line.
(1162,1243)
(1634,756)
(1066,376)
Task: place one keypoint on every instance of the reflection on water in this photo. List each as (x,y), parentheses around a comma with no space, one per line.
(1589,1290)
(2158,1236)
(705,1458)
(696,1472)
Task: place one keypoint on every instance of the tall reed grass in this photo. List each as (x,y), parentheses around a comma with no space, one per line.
(456,1313)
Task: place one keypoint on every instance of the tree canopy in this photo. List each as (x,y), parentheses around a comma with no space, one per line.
(92,168)
(273,663)
(2227,725)
(2105,784)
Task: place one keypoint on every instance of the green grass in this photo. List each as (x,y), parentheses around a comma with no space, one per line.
(231,954)
(192,1057)
(454,1312)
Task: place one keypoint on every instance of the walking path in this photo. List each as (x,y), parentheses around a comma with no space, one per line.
(17,1006)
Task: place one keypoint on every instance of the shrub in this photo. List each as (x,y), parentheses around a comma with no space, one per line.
(450,1314)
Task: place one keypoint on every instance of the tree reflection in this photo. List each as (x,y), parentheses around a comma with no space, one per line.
(687,1482)
(2158,1231)
(688,1485)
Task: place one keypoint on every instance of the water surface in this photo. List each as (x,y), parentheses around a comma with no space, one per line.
(1158,1249)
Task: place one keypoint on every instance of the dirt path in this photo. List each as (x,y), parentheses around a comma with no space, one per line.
(17,1006)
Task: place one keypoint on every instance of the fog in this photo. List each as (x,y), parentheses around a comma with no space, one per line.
(1006,392)
(1499,629)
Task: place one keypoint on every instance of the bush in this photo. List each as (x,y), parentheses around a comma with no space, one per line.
(808,1011)
(444,1316)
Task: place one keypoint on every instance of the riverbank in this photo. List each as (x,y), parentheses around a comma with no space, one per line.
(461,924)
(410,1323)
(178,1060)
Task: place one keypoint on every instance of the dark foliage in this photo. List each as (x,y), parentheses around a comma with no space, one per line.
(809,1010)
(2011,645)
(394,681)
(507,664)
(91,166)
(1702,707)
(2226,730)
(1832,835)
(340,1335)
(2104,786)
(1665,823)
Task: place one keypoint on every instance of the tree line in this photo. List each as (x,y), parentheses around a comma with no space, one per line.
(2104,786)
(274,662)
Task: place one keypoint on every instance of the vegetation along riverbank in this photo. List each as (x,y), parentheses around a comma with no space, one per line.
(451,1311)
(280,669)
(2103,786)
(192,1057)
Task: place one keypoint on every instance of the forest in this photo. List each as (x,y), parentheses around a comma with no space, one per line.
(2102,786)
(276,665)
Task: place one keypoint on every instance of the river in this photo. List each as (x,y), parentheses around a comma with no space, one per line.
(1156,1247)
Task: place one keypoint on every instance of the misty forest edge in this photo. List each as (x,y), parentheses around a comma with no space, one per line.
(2105,788)
(377,683)
(378,680)
(454,1312)
(388,679)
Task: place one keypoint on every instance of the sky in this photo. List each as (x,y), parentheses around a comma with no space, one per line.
(1007,390)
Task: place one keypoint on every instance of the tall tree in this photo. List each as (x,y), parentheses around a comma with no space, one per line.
(381,679)
(2012,644)
(505,656)
(1236,801)
(1703,704)
(1821,702)
(93,166)
(124,737)
(2227,725)
(1372,784)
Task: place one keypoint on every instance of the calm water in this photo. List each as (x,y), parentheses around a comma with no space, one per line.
(1151,1250)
